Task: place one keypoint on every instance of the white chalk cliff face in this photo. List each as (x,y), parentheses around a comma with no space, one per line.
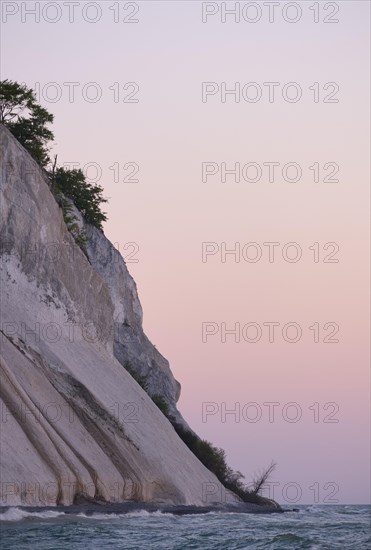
(74,423)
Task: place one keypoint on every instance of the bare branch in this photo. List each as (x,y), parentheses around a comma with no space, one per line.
(261,479)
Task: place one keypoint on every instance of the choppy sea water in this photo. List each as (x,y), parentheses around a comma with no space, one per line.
(312,527)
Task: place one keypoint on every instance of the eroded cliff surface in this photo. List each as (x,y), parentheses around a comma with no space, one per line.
(74,423)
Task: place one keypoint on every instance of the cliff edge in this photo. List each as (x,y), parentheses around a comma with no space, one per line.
(75,426)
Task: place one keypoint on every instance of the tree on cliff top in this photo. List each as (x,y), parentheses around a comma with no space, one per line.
(26,119)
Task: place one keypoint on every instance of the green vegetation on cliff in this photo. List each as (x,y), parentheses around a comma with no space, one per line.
(28,122)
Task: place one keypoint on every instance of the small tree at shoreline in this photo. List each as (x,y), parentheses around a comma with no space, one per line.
(261,479)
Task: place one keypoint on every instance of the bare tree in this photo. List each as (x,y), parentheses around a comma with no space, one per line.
(262,477)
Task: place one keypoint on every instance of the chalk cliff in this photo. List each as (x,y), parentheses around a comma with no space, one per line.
(74,423)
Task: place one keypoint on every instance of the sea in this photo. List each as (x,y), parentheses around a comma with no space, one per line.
(310,527)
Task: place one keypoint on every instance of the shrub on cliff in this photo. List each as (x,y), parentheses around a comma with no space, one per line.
(161,404)
(141,380)
(86,197)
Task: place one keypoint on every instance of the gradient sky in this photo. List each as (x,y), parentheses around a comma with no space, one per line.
(170,211)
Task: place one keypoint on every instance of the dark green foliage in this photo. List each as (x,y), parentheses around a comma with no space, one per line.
(158,400)
(26,119)
(161,404)
(14,99)
(142,380)
(86,197)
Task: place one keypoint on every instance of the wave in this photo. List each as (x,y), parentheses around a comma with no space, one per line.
(17,514)
(136,514)
(334,515)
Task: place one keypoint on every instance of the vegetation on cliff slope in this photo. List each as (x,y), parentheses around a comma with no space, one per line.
(212,457)
(86,196)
